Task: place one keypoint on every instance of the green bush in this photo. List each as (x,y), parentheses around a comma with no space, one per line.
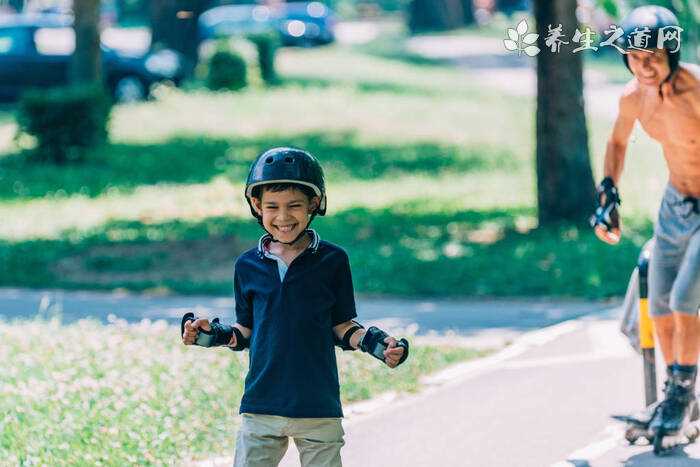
(267,45)
(65,121)
(227,70)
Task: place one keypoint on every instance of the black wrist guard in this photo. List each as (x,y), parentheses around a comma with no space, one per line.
(373,343)
(606,213)
(242,342)
(344,343)
(219,334)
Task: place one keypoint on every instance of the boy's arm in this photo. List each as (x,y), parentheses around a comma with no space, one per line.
(205,333)
(244,314)
(351,335)
(374,341)
(354,330)
(244,332)
(202,332)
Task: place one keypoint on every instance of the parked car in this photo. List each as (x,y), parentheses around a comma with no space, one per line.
(36,51)
(307,23)
(298,23)
(232,20)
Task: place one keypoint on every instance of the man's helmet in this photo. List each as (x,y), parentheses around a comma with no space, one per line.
(651,20)
(287,165)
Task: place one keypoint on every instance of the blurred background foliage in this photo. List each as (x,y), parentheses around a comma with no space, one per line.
(430,164)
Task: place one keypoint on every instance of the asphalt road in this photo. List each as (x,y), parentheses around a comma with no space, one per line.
(489,323)
(545,401)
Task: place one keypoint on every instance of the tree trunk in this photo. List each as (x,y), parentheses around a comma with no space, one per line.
(87,58)
(17,5)
(435,15)
(174,25)
(565,188)
(133,11)
(468,12)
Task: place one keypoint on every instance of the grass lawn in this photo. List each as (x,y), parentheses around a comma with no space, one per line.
(430,174)
(133,394)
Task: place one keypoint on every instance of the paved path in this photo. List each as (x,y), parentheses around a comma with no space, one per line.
(545,401)
(487,323)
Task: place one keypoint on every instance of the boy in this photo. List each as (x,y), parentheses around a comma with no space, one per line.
(294,302)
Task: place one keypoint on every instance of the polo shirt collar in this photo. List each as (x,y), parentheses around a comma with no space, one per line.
(267,238)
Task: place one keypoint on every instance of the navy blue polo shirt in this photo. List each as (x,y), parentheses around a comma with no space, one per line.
(293,371)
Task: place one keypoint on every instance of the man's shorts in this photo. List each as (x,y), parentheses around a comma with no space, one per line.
(263,439)
(674,269)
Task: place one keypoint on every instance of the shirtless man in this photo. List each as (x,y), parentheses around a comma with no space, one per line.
(664,97)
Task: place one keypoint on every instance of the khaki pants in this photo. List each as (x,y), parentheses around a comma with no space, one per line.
(262,440)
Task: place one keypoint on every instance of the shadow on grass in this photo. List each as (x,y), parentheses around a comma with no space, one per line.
(393,251)
(393,48)
(7,112)
(368,87)
(197,160)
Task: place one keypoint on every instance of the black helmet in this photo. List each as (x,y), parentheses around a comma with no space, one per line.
(654,18)
(287,165)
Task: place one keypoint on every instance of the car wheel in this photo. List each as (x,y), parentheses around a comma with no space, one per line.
(129,89)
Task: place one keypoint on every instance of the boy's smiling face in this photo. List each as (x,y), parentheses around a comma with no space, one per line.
(285,214)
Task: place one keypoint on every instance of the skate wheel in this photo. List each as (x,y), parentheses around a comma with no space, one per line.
(631,435)
(693,433)
(659,444)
